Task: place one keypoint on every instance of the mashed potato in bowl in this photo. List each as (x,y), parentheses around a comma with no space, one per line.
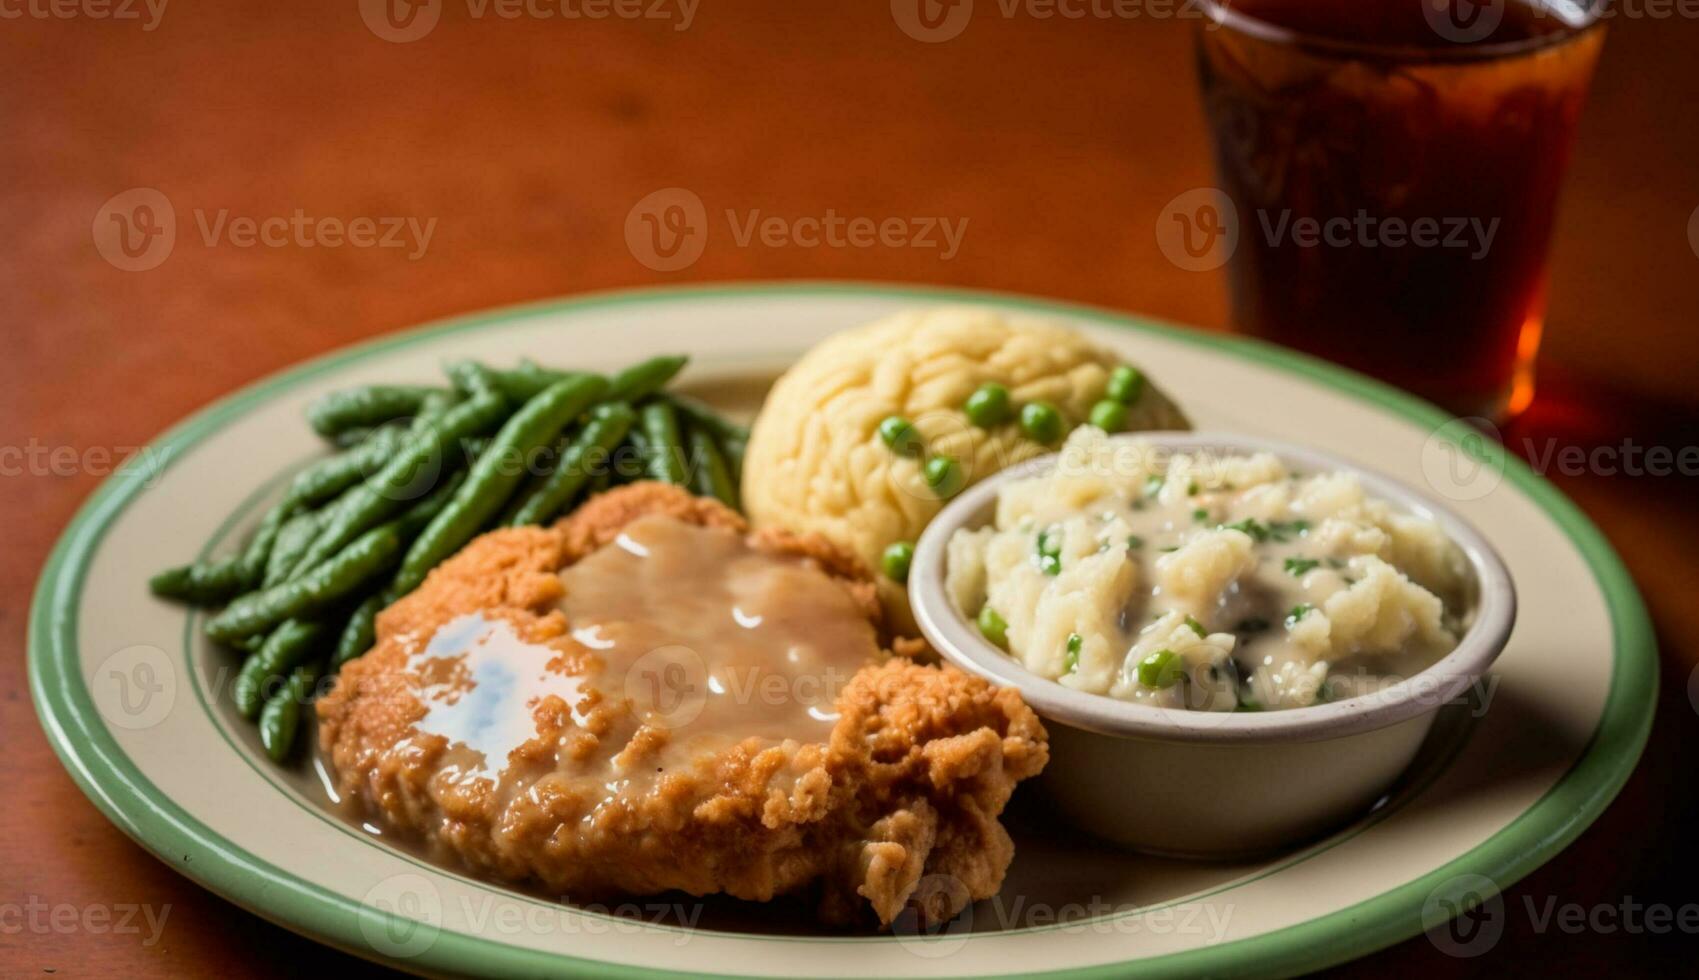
(1215,583)
(816,462)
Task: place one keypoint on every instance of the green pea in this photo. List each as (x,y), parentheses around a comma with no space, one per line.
(944,476)
(988,406)
(1126,384)
(1110,416)
(1042,422)
(1050,551)
(1159,670)
(900,436)
(896,560)
(992,627)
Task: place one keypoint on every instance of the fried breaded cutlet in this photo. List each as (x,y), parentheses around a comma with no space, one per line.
(902,773)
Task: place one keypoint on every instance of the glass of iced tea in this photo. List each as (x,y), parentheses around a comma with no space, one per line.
(1393,167)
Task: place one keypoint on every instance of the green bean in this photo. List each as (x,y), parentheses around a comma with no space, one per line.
(349,438)
(291,644)
(472,378)
(257,553)
(734,457)
(363,408)
(293,540)
(388,490)
(419,516)
(280,719)
(711,477)
(529,379)
(698,414)
(642,380)
(328,478)
(666,445)
(608,425)
(490,483)
(354,566)
(436,403)
(360,632)
(202,583)
(538,471)
(630,466)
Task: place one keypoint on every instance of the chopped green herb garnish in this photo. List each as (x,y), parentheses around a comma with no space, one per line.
(1197,627)
(1134,541)
(1201,514)
(1286,530)
(1248,706)
(1251,526)
(1174,547)
(1161,669)
(1192,489)
(1299,567)
(1071,659)
(1152,485)
(1298,612)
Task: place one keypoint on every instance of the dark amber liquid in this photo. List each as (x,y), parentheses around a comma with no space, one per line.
(1367,114)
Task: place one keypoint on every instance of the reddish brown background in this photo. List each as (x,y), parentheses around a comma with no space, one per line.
(529,141)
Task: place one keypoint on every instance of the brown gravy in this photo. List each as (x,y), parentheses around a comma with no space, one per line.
(684,642)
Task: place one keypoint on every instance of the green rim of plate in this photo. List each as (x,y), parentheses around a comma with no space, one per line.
(118,788)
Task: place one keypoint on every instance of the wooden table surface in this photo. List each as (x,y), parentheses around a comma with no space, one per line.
(528,141)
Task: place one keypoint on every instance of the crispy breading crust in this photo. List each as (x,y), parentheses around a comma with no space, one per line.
(918,767)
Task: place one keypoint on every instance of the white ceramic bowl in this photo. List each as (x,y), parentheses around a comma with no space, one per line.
(1212,784)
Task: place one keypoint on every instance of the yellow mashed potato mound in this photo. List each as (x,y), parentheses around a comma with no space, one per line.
(815,462)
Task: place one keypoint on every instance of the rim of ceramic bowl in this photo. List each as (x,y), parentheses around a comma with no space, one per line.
(1444,682)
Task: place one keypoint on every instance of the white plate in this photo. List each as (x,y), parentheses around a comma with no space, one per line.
(133,699)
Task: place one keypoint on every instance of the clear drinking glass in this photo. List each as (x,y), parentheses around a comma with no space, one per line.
(1394,168)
